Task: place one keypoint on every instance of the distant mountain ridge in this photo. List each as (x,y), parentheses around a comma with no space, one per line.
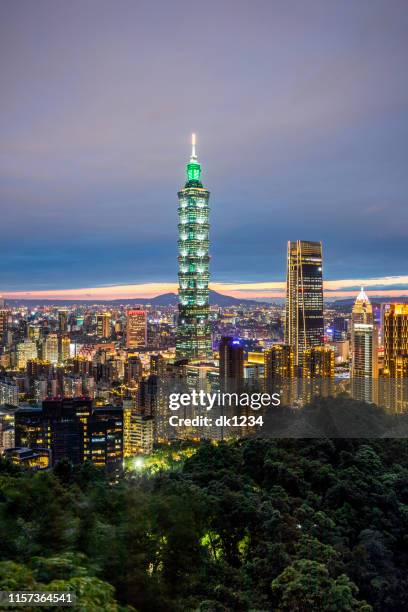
(166,299)
(347,303)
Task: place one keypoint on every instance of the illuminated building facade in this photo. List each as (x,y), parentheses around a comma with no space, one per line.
(136,328)
(395,330)
(105,432)
(141,434)
(64,348)
(279,371)
(364,350)
(27,458)
(279,362)
(304,326)
(400,395)
(6,427)
(8,393)
(395,334)
(73,429)
(103,325)
(193,329)
(51,348)
(318,362)
(318,372)
(25,351)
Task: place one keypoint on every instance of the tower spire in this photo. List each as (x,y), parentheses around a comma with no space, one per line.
(193,146)
(193,166)
(362,296)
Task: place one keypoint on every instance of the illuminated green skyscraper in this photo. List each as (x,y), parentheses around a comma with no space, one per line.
(193,330)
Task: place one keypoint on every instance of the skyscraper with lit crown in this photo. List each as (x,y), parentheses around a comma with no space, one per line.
(193,330)
(364,350)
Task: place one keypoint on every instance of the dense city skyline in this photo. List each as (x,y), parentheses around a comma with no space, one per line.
(300,115)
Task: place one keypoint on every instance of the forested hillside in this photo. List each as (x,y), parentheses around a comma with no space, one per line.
(251,525)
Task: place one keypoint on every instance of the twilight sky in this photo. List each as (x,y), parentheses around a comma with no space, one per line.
(300,109)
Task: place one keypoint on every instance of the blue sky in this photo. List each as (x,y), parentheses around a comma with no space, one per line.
(300,112)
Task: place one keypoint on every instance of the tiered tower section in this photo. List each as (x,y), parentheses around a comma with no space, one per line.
(193,330)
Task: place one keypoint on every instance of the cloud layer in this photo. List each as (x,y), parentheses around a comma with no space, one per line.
(300,110)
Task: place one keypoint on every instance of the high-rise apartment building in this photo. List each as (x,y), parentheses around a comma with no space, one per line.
(51,348)
(141,433)
(103,325)
(318,362)
(193,329)
(304,326)
(136,328)
(25,351)
(279,362)
(64,348)
(364,350)
(8,393)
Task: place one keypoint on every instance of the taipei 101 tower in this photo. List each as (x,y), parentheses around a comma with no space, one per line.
(193,330)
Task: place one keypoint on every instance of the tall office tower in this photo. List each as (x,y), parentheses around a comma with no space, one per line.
(279,371)
(304,327)
(136,328)
(103,325)
(364,350)
(63,321)
(395,334)
(193,329)
(231,365)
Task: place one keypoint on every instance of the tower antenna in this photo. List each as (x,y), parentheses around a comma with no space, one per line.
(193,145)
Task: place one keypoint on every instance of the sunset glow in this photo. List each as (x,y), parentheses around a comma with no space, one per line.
(269,289)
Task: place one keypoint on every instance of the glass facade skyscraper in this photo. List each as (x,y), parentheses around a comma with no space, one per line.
(304,326)
(193,330)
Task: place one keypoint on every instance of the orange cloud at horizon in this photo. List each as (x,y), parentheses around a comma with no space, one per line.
(333,288)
